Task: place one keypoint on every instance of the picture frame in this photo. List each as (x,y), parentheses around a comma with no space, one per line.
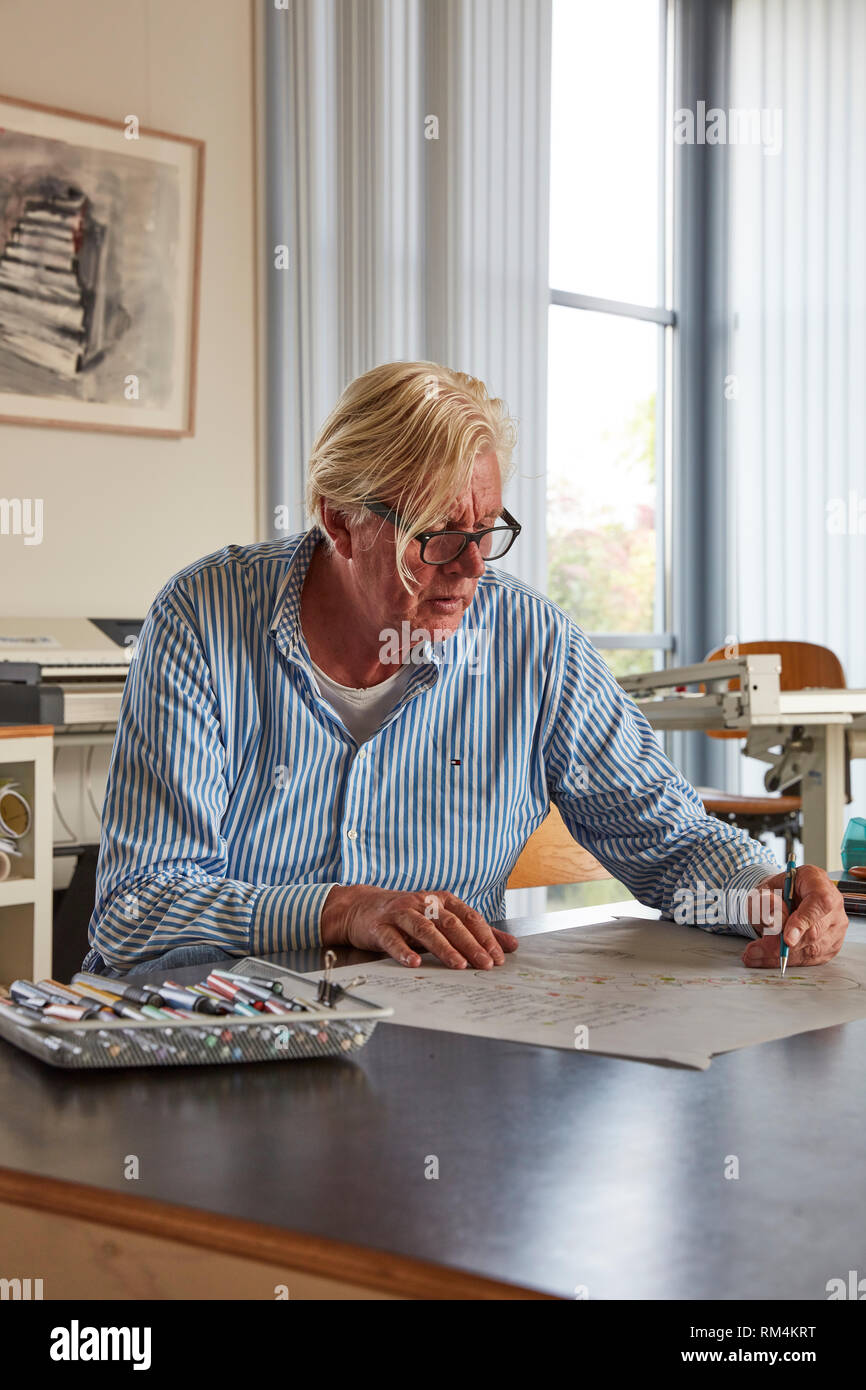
(100,272)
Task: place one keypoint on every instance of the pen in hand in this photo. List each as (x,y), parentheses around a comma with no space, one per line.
(788,900)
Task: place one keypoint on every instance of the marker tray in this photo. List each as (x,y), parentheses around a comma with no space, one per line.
(203,1040)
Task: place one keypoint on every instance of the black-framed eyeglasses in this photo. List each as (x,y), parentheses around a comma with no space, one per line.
(441,547)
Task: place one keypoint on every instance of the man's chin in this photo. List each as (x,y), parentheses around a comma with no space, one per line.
(441,626)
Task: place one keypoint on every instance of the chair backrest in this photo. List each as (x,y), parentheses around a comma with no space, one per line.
(551,855)
(804,665)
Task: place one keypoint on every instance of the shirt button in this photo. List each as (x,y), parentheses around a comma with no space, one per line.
(353,834)
(362,752)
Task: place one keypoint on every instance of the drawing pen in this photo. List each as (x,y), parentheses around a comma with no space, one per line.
(61,991)
(151,1011)
(265,997)
(25,991)
(278,1006)
(231,990)
(257,984)
(183,998)
(73,1013)
(231,1002)
(134,994)
(30,996)
(300,1003)
(260,1002)
(257,993)
(23,1013)
(111,1002)
(59,996)
(788,900)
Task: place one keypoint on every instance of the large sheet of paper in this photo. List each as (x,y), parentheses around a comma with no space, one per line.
(630,988)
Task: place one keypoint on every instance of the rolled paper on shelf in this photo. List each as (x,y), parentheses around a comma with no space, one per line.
(5,866)
(14,812)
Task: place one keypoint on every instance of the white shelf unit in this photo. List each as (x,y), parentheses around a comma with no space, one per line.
(27,756)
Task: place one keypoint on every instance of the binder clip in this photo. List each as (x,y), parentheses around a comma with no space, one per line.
(329,991)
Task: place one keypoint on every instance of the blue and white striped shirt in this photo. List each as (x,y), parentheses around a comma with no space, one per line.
(236,798)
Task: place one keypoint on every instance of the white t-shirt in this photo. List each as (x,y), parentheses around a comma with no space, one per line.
(363,711)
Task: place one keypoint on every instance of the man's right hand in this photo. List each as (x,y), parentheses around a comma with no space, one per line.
(404,924)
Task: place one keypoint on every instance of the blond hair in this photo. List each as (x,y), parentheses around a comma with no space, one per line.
(407,434)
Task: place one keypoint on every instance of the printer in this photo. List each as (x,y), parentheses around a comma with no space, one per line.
(68,672)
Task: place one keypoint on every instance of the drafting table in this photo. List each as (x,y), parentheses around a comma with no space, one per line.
(805,735)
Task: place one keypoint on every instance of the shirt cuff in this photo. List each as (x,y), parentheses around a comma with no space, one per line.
(287,917)
(737,889)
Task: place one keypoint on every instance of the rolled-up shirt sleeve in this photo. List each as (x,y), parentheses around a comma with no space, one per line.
(624,801)
(162,872)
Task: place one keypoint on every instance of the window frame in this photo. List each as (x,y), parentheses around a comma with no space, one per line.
(662,641)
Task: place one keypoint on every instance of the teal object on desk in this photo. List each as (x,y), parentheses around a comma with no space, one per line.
(854,842)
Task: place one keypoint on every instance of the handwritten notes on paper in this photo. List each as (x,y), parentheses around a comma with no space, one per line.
(630,988)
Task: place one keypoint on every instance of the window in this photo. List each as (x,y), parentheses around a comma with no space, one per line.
(610,326)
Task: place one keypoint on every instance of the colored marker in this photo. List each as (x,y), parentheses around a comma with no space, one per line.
(262,995)
(116,1006)
(63,992)
(187,999)
(134,994)
(24,991)
(257,985)
(240,992)
(232,1003)
(73,1013)
(160,1013)
(23,1013)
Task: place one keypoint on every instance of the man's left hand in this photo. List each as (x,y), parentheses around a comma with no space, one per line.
(815,929)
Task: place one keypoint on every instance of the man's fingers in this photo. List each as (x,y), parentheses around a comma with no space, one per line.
(464,939)
(813,931)
(481,930)
(409,924)
(388,939)
(762,954)
(426,930)
(813,912)
(815,949)
(502,940)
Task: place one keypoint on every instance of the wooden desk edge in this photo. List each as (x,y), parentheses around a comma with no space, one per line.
(26,730)
(361,1265)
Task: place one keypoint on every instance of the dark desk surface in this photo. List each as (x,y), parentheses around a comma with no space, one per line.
(556,1169)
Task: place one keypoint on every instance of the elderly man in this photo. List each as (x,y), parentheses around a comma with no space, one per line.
(348,736)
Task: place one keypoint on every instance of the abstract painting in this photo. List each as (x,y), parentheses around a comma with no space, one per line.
(100,246)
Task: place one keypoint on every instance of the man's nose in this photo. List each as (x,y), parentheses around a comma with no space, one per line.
(471,562)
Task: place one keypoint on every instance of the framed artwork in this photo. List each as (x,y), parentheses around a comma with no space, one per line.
(100,256)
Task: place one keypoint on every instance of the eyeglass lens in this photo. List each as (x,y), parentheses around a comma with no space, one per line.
(447,546)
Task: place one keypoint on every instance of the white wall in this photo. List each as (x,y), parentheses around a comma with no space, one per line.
(123,512)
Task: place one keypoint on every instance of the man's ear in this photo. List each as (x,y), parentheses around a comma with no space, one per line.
(336,525)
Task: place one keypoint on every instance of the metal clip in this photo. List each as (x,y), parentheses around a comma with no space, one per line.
(329,992)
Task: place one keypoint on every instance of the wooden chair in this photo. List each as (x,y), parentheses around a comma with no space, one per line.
(804,666)
(551,855)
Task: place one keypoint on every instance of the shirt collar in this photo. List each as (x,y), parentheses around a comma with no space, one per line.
(286,615)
